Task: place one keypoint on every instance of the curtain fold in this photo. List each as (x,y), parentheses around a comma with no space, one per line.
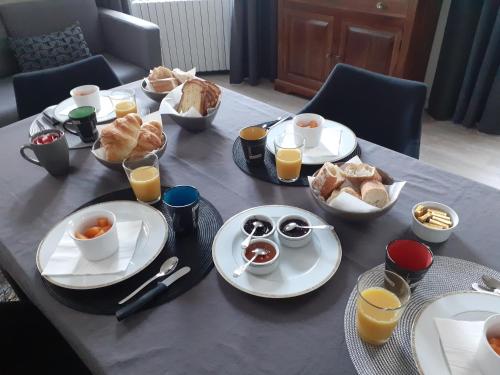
(119,5)
(254,47)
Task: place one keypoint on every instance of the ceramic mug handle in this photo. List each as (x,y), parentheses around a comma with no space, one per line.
(23,154)
(69,122)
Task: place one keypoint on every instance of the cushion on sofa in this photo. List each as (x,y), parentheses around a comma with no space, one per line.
(42,17)
(8,108)
(8,64)
(126,71)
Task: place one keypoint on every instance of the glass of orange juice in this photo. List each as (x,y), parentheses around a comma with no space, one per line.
(289,148)
(144,177)
(123,101)
(382,297)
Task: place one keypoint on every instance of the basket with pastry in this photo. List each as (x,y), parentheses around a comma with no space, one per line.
(161,80)
(128,137)
(354,190)
(193,105)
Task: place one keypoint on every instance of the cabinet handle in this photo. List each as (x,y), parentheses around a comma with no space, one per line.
(380,5)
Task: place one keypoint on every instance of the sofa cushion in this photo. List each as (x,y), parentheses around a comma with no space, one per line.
(8,64)
(31,18)
(125,71)
(8,108)
(50,50)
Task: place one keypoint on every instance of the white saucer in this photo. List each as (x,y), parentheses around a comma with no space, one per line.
(347,145)
(427,352)
(300,271)
(106,113)
(152,238)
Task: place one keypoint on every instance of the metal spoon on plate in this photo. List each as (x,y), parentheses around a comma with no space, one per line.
(246,242)
(291,226)
(239,271)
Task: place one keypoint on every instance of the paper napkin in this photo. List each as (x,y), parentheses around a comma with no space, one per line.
(459,340)
(67,259)
(328,146)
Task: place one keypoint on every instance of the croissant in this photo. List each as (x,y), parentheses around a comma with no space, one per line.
(150,139)
(120,137)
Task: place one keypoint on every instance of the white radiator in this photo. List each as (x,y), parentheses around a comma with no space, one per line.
(194,33)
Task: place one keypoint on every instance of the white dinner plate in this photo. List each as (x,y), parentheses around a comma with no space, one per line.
(347,145)
(471,306)
(106,113)
(152,238)
(300,270)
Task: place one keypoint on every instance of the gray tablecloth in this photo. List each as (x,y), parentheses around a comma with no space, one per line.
(214,328)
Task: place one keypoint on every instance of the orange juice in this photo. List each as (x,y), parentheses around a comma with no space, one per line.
(288,162)
(145,182)
(375,325)
(125,107)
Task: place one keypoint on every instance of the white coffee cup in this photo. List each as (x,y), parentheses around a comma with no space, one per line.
(87,95)
(312,136)
(487,359)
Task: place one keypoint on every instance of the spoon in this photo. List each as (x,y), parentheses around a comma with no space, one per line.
(484,289)
(246,242)
(167,267)
(239,271)
(293,225)
(491,283)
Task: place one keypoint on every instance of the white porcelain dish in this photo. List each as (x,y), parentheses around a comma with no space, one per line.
(105,114)
(487,359)
(290,241)
(298,273)
(312,136)
(430,234)
(315,156)
(152,238)
(262,268)
(472,306)
(259,217)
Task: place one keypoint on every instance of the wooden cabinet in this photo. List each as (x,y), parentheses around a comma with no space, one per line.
(392,37)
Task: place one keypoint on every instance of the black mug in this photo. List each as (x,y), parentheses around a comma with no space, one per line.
(84,120)
(51,149)
(253,141)
(183,205)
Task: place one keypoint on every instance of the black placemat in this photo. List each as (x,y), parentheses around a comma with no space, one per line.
(267,171)
(194,251)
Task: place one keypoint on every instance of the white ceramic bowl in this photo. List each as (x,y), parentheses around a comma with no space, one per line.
(290,241)
(262,268)
(87,95)
(312,136)
(100,247)
(430,234)
(259,217)
(486,358)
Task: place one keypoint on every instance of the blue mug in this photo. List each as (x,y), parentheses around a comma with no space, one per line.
(183,204)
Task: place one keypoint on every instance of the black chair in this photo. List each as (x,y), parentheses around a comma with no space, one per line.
(35,91)
(381,109)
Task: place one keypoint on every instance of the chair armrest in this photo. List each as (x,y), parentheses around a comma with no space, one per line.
(130,38)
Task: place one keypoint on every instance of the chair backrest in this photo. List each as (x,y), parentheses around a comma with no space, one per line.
(378,108)
(8,65)
(31,18)
(35,91)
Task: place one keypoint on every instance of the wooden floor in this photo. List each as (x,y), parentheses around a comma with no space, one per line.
(449,146)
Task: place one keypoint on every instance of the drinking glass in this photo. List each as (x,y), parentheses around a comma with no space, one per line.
(289,148)
(382,297)
(144,177)
(123,101)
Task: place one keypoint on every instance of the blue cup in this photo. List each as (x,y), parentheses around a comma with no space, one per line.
(183,204)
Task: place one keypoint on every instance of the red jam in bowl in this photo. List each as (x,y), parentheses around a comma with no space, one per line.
(271,252)
(45,139)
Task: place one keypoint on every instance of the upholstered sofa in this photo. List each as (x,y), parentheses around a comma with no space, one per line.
(130,45)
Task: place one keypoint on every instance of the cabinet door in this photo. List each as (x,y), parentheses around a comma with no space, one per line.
(369,44)
(307,47)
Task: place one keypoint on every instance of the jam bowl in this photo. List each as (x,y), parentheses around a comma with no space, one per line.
(263,264)
(265,231)
(298,237)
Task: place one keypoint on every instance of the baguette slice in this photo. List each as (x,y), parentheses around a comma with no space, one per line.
(374,193)
(328,179)
(358,173)
(350,190)
(163,85)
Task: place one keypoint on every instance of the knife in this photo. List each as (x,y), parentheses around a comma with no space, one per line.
(271,124)
(160,288)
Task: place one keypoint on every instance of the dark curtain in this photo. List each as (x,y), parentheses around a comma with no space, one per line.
(253,41)
(467,83)
(119,5)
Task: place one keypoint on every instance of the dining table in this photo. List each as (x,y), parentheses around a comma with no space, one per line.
(214,328)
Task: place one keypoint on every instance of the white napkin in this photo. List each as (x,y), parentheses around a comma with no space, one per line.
(459,340)
(67,259)
(328,146)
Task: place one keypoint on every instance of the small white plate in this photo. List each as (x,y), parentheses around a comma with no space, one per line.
(347,145)
(300,270)
(471,306)
(152,238)
(107,112)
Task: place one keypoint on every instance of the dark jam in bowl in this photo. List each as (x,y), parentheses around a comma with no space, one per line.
(296,232)
(271,252)
(266,227)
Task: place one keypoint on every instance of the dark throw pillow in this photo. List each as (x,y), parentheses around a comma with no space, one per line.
(50,50)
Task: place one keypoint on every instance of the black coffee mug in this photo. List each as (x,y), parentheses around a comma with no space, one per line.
(253,140)
(409,259)
(51,149)
(84,121)
(183,204)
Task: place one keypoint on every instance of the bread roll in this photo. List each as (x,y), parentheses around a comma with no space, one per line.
(328,179)
(164,85)
(160,72)
(374,193)
(120,137)
(358,173)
